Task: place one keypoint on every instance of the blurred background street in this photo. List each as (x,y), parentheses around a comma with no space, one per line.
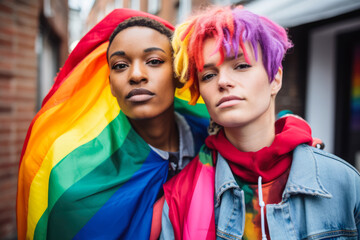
(321,73)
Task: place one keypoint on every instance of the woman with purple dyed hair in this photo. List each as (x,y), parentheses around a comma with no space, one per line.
(255,178)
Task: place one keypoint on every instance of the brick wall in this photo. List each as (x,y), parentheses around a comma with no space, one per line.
(18,77)
(19,23)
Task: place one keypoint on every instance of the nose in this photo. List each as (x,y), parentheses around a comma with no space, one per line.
(224,81)
(138,73)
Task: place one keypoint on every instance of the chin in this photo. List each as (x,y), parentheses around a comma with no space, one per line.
(232,123)
(143,116)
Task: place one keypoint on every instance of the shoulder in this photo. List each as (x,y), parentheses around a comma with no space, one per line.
(327,165)
(328,159)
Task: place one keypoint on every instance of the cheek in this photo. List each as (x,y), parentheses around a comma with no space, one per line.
(204,91)
(116,85)
(168,82)
(208,96)
(261,86)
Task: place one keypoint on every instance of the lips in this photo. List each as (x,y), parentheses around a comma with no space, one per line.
(228,100)
(139,95)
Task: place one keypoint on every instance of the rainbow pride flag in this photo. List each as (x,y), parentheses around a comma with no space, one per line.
(355,91)
(84,172)
(188,194)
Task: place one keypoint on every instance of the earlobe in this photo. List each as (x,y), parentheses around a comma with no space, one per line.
(277,82)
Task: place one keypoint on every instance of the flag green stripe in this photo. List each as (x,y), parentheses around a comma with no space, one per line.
(94,190)
(205,156)
(84,159)
(198,110)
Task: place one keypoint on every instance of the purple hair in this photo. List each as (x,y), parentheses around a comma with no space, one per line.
(231,28)
(255,29)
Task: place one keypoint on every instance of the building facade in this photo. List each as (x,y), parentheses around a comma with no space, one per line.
(33,45)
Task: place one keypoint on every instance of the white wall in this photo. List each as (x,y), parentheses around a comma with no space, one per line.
(290,13)
(320,98)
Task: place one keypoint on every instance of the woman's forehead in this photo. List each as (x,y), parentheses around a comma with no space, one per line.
(140,37)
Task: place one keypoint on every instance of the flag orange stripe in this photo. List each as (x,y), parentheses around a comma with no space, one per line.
(79,77)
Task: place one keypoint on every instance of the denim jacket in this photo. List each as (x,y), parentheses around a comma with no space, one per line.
(321,200)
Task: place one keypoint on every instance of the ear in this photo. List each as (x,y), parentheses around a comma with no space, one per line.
(277,82)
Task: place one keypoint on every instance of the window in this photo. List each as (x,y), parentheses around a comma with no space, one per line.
(154,6)
(227,2)
(184,10)
(119,3)
(135,4)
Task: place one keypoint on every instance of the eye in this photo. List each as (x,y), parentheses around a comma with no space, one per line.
(119,66)
(208,76)
(154,62)
(242,66)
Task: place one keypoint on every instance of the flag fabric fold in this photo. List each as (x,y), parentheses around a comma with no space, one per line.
(188,194)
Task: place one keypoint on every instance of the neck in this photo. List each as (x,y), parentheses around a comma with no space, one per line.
(254,135)
(160,132)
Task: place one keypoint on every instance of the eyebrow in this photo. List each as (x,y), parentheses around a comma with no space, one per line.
(209,65)
(122,53)
(153,49)
(117,53)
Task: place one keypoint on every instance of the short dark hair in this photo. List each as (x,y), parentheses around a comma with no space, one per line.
(140,22)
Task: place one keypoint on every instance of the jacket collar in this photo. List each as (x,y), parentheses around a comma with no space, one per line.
(304,176)
(186,142)
(224,178)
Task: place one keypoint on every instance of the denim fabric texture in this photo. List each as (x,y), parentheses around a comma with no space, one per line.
(321,200)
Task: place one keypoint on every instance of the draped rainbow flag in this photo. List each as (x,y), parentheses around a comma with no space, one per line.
(84,172)
(190,196)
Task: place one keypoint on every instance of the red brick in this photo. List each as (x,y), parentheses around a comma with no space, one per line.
(28,44)
(31,6)
(27,107)
(5,18)
(8,29)
(25,79)
(6,141)
(9,158)
(9,208)
(5,43)
(5,151)
(25,54)
(5,75)
(26,74)
(6,221)
(25,21)
(8,179)
(25,86)
(4,131)
(8,54)
(6,86)
(5,8)
(9,99)
(6,65)
(28,65)
(5,109)
(24,12)
(7,61)
(19,24)
(27,35)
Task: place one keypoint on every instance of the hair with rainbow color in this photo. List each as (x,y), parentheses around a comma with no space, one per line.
(231,28)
